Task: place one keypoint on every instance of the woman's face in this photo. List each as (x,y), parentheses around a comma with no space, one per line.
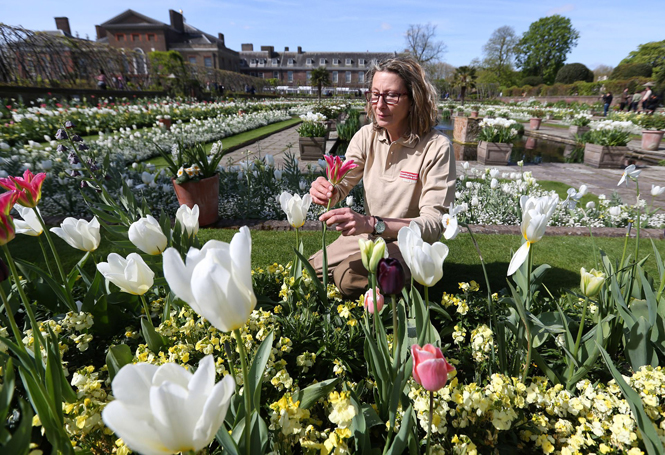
(393,118)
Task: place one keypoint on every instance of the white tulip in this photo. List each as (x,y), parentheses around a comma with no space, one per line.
(475,201)
(167,409)
(147,178)
(269,160)
(215,281)
(462,177)
(46,165)
(30,224)
(450,222)
(536,215)
(657,190)
(494,184)
(590,205)
(278,174)
(189,219)
(131,275)
(147,235)
(350,201)
(424,260)
(494,173)
(295,208)
(629,173)
(80,234)
(465,165)
(303,185)
(323,164)
(615,211)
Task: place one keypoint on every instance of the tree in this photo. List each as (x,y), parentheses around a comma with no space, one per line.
(499,53)
(421,43)
(653,54)
(440,70)
(320,77)
(628,70)
(543,48)
(602,71)
(573,72)
(465,77)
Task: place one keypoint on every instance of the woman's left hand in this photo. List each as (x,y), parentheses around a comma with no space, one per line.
(348,221)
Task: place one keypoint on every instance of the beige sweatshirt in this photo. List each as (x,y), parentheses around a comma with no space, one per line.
(404,179)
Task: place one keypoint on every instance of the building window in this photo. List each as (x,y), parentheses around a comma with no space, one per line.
(361,76)
(192,60)
(151,37)
(290,75)
(335,77)
(309,76)
(252,62)
(120,37)
(361,62)
(348,61)
(275,62)
(310,61)
(322,61)
(291,62)
(136,37)
(335,61)
(373,61)
(348,77)
(207,62)
(275,74)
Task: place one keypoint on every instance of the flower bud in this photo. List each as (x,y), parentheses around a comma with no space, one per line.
(430,367)
(591,282)
(378,252)
(369,301)
(390,276)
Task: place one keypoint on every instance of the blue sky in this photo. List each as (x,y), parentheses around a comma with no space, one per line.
(609,30)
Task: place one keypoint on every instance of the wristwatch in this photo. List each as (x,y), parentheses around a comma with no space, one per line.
(379,226)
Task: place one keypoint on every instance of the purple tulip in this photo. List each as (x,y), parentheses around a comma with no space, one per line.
(390,276)
(61,134)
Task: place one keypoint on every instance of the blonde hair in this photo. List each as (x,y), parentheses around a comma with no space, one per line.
(423,95)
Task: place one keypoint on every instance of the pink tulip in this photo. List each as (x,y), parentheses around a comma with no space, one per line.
(28,187)
(336,170)
(369,301)
(430,367)
(7,231)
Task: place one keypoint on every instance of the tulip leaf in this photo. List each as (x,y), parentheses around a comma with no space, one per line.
(19,444)
(154,340)
(257,369)
(359,427)
(639,350)
(400,442)
(226,441)
(320,290)
(46,277)
(7,390)
(650,437)
(310,395)
(117,357)
(78,270)
(259,436)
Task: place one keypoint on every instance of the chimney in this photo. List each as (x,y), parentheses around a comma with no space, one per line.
(220,36)
(177,21)
(62,23)
(101,31)
(286,49)
(247,47)
(300,49)
(269,49)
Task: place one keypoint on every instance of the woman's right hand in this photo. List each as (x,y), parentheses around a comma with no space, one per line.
(322,191)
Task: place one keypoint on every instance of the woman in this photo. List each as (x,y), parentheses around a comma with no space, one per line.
(407,168)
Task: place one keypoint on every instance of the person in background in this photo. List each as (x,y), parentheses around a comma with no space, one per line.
(607,100)
(625,100)
(635,102)
(101,80)
(645,99)
(407,168)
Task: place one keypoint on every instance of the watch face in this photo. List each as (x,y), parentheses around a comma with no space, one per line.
(380,227)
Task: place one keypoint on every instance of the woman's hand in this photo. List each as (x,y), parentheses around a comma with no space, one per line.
(348,221)
(322,191)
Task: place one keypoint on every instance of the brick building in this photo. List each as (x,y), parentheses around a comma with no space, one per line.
(347,69)
(132,30)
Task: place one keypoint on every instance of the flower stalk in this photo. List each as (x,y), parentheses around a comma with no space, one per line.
(247,393)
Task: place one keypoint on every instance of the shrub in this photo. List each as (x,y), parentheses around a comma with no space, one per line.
(532,80)
(628,70)
(574,72)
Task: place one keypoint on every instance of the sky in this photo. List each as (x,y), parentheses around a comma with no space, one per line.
(609,30)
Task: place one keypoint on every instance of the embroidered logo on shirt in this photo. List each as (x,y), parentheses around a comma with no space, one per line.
(411,177)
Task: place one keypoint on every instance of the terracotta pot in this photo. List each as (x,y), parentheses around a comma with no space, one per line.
(166,122)
(494,153)
(205,193)
(534,123)
(474,114)
(604,157)
(577,131)
(530,143)
(312,148)
(651,139)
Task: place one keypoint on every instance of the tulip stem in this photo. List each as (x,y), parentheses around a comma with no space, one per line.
(579,336)
(325,255)
(372,283)
(247,394)
(637,233)
(48,264)
(429,424)
(12,321)
(146,308)
(395,334)
(296,262)
(527,364)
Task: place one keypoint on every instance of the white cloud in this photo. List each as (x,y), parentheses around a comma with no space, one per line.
(386,26)
(561,9)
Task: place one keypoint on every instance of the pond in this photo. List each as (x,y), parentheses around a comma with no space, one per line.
(527,149)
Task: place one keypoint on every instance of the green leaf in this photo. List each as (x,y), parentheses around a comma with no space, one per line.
(7,390)
(259,435)
(257,369)
(226,441)
(19,444)
(401,440)
(154,340)
(320,290)
(649,435)
(117,357)
(639,350)
(310,395)
(54,285)
(359,428)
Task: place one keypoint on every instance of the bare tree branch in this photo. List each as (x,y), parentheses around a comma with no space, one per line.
(421,43)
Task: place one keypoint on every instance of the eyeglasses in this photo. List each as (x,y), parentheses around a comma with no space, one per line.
(390,98)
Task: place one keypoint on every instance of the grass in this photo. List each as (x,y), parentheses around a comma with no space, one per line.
(561,189)
(238,140)
(565,254)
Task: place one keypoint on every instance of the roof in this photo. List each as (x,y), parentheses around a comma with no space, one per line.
(300,60)
(141,21)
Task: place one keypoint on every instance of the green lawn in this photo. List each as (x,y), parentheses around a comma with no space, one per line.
(239,140)
(566,254)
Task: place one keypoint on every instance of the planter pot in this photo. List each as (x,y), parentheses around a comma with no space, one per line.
(651,139)
(534,123)
(531,143)
(577,131)
(205,193)
(604,157)
(474,114)
(312,148)
(166,122)
(494,153)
